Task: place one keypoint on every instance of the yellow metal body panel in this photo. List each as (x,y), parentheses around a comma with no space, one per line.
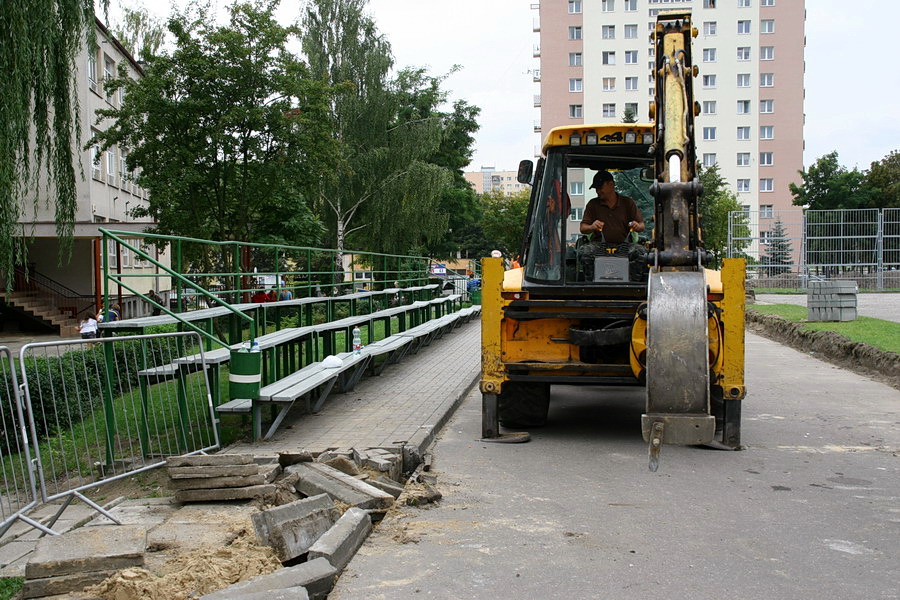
(559,136)
(492,373)
(733,307)
(512,280)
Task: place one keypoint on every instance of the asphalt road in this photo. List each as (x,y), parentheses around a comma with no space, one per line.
(810,509)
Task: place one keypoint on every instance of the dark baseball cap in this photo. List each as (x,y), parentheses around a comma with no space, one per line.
(600,178)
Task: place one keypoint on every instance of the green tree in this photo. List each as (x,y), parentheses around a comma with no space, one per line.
(39,113)
(503,219)
(715,204)
(779,251)
(141,33)
(226,131)
(828,185)
(384,191)
(883,181)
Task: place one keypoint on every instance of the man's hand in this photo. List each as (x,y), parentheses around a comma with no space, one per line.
(597,225)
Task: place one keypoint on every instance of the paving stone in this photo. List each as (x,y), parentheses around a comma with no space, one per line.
(292,593)
(13,551)
(219,494)
(267,473)
(49,586)
(200,525)
(317,576)
(222,471)
(292,528)
(146,512)
(316,478)
(88,549)
(386,484)
(285,459)
(209,460)
(341,542)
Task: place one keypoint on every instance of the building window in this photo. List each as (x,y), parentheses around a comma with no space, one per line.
(709,159)
(709,55)
(575,214)
(576,111)
(609,32)
(609,58)
(609,84)
(767,2)
(575,85)
(631,84)
(766,159)
(767,53)
(123,172)
(743,185)
(709,3)
(709,81)
(631,32)
(96,167)
(92,72)
(743,133)
(766,79)
(743,159)
(743,80)
(767,26)
(609,109)
(766,211)
(743,27)
(766,106)
(709,133)
(574,32)
(576,188)
(574,7)
(709,107)
(109,72)
(743,107)
(767,132)
(631,57)
(767,184)
(630,5)
(709,28)
(743,53)
(575,59)
(744,4)
(111,166)
(765,238)
(608,5)
(633,107)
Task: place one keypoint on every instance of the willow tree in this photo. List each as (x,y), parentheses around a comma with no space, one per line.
(39,124)
(383,191)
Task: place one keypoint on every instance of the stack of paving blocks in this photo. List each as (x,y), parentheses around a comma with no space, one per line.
(82,557)
(831,301)
(211,478)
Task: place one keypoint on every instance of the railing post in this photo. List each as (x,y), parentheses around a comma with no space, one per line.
(108,408)
(879,249)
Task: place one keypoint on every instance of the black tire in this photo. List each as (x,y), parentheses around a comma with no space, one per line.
(524,404)
(728,418)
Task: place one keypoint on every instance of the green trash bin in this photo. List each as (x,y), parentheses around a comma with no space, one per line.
(475,296)
(246,374)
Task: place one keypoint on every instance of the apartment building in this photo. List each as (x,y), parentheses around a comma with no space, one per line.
(106,195)
(596,62)
(489,179)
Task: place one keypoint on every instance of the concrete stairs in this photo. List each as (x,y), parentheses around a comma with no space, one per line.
(41,309)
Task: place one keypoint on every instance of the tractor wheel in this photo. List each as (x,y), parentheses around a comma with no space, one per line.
(524,404)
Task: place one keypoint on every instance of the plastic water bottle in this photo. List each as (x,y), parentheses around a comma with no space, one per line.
(245,347)
(357,341)
(254,347)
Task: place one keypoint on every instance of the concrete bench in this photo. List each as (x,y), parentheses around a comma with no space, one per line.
(315,377)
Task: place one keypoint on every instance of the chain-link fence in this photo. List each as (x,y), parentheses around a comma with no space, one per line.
(786,249)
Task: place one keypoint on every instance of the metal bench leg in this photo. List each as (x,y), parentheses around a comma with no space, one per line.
(323,395)
(278,419)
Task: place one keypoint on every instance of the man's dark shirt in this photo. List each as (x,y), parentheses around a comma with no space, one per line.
(615,220)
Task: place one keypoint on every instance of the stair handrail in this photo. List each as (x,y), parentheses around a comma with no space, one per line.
(55,289)
(107,277)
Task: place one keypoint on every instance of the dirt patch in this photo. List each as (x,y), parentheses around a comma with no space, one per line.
(192,574)
(829,346)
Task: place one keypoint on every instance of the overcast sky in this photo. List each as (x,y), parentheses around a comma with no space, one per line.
(852,85)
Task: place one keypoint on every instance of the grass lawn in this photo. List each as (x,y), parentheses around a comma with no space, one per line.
(9,586)
(884,335)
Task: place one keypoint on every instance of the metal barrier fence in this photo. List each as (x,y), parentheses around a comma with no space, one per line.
(102,410)
(787,249)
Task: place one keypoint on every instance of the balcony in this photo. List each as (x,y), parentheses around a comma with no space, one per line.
(537,100)
(537,126)
(535,6)
(537,75)
(536,25)
(536,52)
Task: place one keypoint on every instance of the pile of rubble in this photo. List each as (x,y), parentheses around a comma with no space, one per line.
(315,514)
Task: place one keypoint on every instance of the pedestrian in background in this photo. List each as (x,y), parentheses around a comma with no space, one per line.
(88,328)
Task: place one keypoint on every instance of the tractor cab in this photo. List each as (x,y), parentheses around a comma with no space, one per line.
(554,252)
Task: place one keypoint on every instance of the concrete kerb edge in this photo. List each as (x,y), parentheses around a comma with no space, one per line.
(414,449)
